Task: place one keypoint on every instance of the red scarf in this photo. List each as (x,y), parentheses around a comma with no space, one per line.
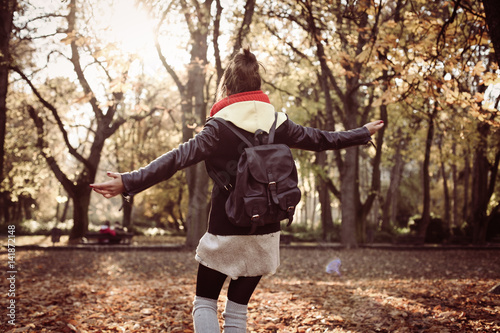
(241,97)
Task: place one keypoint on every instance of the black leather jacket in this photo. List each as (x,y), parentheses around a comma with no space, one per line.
(220,149)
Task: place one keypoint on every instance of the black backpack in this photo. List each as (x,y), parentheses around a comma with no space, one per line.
(265,190)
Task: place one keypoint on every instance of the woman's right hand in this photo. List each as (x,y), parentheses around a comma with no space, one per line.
(374,126)
(110,188)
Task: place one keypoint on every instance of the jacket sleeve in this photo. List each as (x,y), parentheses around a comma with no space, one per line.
(314,139)
(189,153)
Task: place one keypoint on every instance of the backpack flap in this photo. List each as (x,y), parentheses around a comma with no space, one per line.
(261,161)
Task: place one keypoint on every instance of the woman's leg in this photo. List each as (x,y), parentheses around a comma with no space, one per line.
(209,282)
(238,296)
(208,286)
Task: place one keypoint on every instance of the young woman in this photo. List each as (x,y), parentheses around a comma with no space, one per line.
(227,250)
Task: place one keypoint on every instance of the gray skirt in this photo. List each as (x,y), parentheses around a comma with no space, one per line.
(235,256)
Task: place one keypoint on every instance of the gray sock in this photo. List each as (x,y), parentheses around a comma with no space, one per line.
(235,317)
(205,315)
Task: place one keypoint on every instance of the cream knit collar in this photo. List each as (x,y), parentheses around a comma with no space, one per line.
(251,115)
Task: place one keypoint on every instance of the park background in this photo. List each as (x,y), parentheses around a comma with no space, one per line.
(96,86)
(109,85)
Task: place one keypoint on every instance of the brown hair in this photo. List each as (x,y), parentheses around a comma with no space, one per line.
(241,75)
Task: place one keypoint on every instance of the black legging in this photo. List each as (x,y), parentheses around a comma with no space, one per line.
(209,284)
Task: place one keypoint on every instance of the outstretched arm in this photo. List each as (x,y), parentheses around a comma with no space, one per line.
(110,188)
(189,153)
(310,138)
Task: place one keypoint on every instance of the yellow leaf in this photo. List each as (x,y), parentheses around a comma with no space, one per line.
(491,78)
(363,56)
(478,69)
(70,36)
(479,97)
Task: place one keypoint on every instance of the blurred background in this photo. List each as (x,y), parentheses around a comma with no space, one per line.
(93,86)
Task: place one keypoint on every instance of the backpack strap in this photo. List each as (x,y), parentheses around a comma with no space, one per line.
(235,130)
(225,184)
(222,184)
(273,129)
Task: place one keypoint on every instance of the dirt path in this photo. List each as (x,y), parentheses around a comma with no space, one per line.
(378,291)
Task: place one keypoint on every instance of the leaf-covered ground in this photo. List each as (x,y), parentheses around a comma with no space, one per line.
(379,291)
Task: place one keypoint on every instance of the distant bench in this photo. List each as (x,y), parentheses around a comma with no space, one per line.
(93,238)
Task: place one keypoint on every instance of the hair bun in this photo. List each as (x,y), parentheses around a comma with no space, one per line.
(249,56)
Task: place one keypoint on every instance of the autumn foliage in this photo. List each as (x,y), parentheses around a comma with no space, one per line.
(152,291)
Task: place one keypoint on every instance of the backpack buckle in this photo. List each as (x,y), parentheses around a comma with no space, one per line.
(255,217)
(273,189)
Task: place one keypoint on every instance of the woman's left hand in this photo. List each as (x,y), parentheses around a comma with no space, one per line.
(374,126)
(110,188)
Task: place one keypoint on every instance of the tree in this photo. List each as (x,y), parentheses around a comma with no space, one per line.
(137,143)
(492,14)
(7,9)
(343,38)
(106,120)
(390,203)
(447,80)
(193,92)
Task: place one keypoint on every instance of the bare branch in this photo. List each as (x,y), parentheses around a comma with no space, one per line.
(43,146)
(120,120)
(55,114)
(98,62)
(302,55)
(169,68)
(216,34)
(75,59)
(245,26)
(447,23)
(187,16)
(163,60)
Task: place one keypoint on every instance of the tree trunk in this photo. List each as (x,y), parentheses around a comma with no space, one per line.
(81,202)
(194,112)
(455,216)
(446,192)
(7,8)
(467,171)
(62,217)
(447,201)
(389,208)
(350,198)
(128,206)
(324,200)
(374,191)
(426,180)
(197,216)
(480,197)
(349,189)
